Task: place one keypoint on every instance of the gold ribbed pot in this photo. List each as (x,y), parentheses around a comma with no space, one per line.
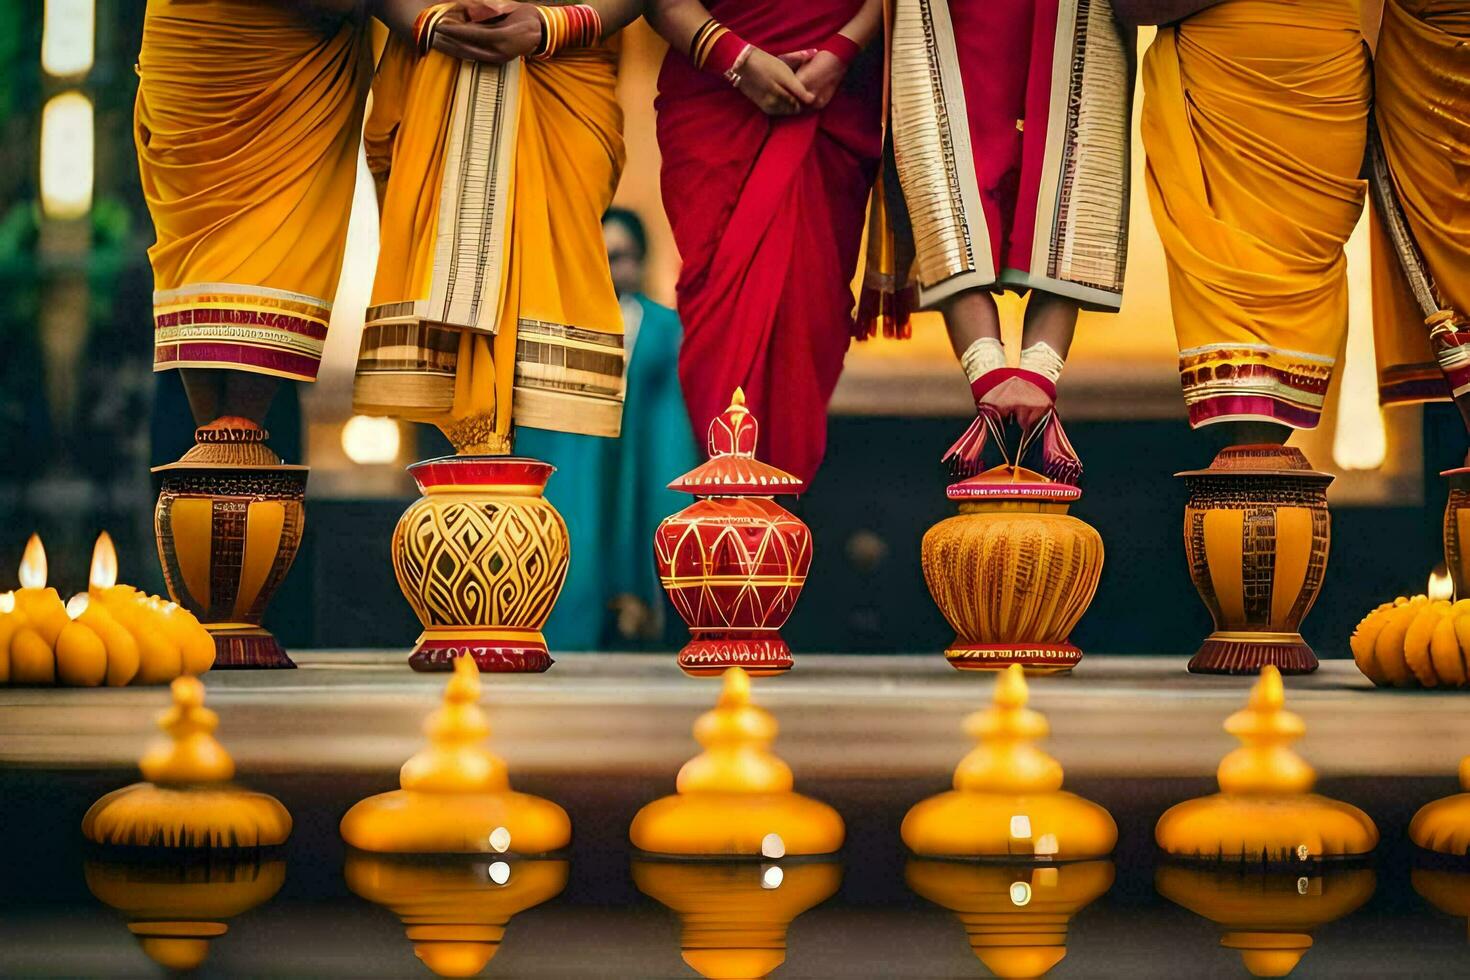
(1012,572)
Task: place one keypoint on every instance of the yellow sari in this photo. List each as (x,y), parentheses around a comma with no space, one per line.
(1254,122)
(247,124)
(493,303)
(1422,108)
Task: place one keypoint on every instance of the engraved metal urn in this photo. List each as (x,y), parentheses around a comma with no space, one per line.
(229,521)
(1256,533)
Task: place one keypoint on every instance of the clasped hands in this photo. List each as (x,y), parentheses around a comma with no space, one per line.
(491,31)
(784,85)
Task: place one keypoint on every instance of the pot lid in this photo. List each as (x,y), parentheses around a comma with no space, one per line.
(230,442)
(732,469)
(1007,482)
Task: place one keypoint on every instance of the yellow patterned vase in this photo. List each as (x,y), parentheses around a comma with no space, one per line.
(229,521)
(481,558)
(1012,572)
(1256,533)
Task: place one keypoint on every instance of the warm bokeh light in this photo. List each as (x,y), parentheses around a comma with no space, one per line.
(1020,894)
(367,439)
(68,39)
(77,604)
(1441,585)
(104,563)
(33,564)
(66,156)
(7,603)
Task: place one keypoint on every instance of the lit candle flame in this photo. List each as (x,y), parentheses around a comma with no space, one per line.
(7,602)
(1441,586)
(104,563)
(78,604)
(33,564)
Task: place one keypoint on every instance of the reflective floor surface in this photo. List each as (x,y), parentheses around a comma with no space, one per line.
(313,909)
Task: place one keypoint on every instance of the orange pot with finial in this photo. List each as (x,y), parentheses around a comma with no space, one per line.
(734,562)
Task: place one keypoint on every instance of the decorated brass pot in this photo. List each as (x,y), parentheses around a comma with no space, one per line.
(228,522)
(1012,572)
(733,562)
(481,558)
(1256,533)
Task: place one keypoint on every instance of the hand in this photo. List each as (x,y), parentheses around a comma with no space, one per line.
(822,74)
(1019,399)
(772,85)
(512,30)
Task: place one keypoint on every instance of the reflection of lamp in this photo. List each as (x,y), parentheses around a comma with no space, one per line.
(1443,825)
(454,912)
(735,915)
(176,908)
(456,796)
(1265,810)
(1268,916)
(736,798)
(1016,915)
(1447,890)
(1007,799)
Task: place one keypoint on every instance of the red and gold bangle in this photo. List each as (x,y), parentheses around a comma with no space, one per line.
(723,53)
(427,22)
(572,26)
(704,40)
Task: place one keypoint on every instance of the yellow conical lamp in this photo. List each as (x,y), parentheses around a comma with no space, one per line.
(1264,810)
(176,909)
(735,914)
(1015,915)
(1444,825)
(1267,916)
(455,914)
(735,799)
(456,796)
(187,801)
(1007,799)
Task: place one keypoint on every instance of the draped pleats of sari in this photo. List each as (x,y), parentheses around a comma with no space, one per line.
(1422,110)
(1254,123)
(247,124)
(768,215)
(493,305)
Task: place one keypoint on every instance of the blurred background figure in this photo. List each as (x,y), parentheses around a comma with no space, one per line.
(613,493)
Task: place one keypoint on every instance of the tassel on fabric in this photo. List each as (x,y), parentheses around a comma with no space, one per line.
(1059,461)
(966,456)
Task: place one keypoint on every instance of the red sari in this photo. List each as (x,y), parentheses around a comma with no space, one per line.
(768,215)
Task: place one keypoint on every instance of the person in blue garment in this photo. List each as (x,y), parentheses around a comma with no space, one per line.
(613,493)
